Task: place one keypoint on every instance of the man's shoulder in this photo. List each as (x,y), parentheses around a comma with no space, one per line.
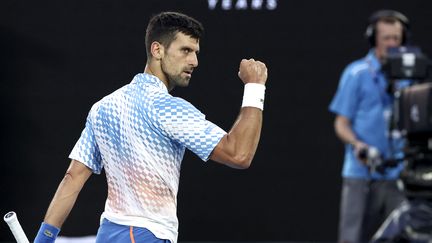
(357,67)
(168,101)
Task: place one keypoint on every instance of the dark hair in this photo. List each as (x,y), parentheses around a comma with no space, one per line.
(164,26)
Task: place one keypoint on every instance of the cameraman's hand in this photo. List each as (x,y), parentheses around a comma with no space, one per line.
(251,71)
(359,149)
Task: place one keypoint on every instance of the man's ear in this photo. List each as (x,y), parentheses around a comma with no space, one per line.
(157,50)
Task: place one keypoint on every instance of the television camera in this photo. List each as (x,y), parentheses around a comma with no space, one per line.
(412,116)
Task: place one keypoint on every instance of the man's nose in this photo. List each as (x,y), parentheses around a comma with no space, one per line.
(193,60)
(394,42)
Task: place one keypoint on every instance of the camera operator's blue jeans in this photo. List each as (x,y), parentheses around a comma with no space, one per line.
(112,232)
(365,204)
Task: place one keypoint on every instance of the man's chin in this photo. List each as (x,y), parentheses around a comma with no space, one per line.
(183,83)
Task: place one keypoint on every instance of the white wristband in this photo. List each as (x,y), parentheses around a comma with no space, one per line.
(253,95)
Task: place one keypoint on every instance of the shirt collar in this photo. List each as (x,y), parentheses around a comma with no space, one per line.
(145,78)
(372,60)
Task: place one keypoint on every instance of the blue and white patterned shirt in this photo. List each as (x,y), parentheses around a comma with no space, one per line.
(139,134)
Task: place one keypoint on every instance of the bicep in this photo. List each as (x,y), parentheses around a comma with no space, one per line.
(343,129)
(225,153)
(79,171)
(221,153)
(343,121)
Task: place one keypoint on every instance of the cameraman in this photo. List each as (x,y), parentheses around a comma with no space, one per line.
(362,105)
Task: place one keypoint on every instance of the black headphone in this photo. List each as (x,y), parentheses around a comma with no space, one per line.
(375,17)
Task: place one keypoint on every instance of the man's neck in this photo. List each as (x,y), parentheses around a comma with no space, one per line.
(379,56)
(154,70)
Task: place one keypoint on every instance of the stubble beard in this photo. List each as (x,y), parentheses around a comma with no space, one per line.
(175,80)
(178,80)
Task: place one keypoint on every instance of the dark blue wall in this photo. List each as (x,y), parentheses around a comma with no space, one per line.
(59,57)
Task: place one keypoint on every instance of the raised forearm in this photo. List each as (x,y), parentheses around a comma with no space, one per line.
(238,147)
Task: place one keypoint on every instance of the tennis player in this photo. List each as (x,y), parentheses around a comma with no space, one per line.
(139,134)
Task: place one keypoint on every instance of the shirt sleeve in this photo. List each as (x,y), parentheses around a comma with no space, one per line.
(185,124)
(346,100)
(86,149)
